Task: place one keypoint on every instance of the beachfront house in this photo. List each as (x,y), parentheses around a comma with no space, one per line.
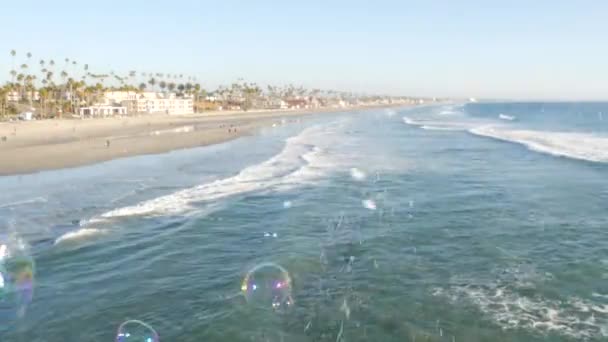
(297,104)
(276,103)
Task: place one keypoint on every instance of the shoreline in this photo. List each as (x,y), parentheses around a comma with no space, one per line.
(35,146)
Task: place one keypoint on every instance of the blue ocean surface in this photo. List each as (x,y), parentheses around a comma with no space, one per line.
(453,222)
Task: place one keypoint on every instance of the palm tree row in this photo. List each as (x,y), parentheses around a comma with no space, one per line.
(57,89)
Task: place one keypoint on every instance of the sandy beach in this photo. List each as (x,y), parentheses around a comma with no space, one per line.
(32,146)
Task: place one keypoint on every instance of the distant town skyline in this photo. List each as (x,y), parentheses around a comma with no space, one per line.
(514,50)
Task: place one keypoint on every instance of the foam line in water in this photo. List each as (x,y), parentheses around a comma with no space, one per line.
(571,145)
(438,125)
(506,117)
(24,202)
(79,234)
(439,128)
(299,162)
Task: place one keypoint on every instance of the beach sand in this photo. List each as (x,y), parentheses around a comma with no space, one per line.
(32,146)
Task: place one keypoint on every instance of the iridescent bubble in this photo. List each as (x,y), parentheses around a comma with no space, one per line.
(268,286)
(136,331)
(16,277)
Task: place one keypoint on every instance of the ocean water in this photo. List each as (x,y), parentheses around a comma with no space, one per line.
(470,222)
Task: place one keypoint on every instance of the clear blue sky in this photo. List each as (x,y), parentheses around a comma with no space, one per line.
(509,49)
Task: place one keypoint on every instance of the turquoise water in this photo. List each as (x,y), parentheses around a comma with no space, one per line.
(478,222)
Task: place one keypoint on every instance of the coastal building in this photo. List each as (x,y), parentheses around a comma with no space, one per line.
(111,97)
(275,103)
(101,111)
(297,104)
(314,102)
(15,96)
(150,102)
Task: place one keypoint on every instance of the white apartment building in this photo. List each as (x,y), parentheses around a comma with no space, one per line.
(151,102)
(101,110)
(15,96)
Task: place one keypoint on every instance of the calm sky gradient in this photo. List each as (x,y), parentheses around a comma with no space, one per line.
(500,49)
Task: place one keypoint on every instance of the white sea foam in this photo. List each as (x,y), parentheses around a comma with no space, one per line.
(440,128)
(357,174)
(439,125)
(506,117)
(79,234)
(24,202)
(572,145)
(369,204)
(574,317)
(300,162)
(409,121)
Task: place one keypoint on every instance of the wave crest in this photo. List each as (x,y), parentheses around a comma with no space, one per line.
(572,145)
(79,234)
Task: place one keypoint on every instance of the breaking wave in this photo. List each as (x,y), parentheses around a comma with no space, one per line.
(580,146)
(300,162)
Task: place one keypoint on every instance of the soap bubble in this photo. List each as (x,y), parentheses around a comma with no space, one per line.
(268,286)
(16,277)
(136,331)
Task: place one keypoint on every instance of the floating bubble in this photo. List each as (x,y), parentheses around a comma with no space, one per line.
(16,277)
(268,286)
(136,331)
(357,174)
(369,204)
(287,204)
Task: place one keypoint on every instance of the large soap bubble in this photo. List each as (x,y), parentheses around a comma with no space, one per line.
(16,277)
(136,331)
(268,286)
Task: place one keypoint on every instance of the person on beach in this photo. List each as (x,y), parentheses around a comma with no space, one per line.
(107,143)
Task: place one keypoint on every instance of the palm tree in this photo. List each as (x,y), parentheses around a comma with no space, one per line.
(52,67)
(74,63)
(20,79)
(29,87)
(132,75)
(86,73)
(13,54)
(29,58)
(142,87)
(22,92)
(162,85)
(171,86)
(152,82)
(181,88)
(43,69)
